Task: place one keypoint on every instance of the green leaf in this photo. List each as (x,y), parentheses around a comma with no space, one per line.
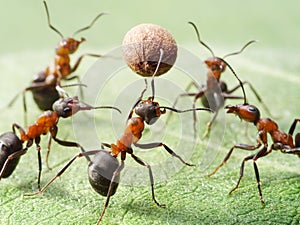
(272,66)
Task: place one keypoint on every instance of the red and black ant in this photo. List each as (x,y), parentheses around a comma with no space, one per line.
(46,123)
(147,111)
(281,141)
(215,92)
(46,86)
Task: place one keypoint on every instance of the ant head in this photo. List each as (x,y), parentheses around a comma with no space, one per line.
(149,111)
(216,65)
(68,46)
(246,112)
(66,107)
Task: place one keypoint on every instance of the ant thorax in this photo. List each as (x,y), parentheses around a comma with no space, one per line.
(216,65)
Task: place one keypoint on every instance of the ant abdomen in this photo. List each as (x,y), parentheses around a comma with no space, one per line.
(100,172)
(9,144)
(45,96)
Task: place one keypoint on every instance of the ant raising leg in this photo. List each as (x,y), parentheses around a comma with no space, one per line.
(281,141)
(46,86)
(215,92)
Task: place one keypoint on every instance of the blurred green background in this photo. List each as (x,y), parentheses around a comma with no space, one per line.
(272,65)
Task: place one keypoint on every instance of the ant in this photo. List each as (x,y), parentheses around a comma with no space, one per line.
(46,123)
(281,141)
(105,162)
(215,92)
(46,87)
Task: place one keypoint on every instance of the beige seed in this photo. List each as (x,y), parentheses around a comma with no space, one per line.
(141,49)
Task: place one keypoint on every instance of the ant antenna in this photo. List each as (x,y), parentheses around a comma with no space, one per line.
(49,23)
(240,51)
(201,42)
(187,110)
(89,107)
(234,73)
(90,25)
(155,72)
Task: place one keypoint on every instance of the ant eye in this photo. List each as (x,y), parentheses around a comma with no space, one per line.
(66,110)
(252,109)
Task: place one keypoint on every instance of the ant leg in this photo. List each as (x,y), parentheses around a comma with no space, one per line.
(105,145)
(80,58)
(25,108)
(293,126)
(208,126)
(21,130)
(143,163)
(258,181)
(38,148)
(78,84)
(60,172)
(187,94)
(198,95)
(240,146)
(192,84)
(138,101)
(175,103)
(71,144)
(159,144)
(241,172)
(295,151)
(67,143)
(263,152)
(110,189)
(10,104)
(48,152)
(10,158)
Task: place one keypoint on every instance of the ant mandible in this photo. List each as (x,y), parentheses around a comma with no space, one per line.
(148,111)
(209,93)
(46,86)
(281,141)
(46,123)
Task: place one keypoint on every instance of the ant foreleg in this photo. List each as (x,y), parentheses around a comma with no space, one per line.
(67,143)
(143,163)
(21,130)
(240,146)
(80,58)
(159,144)
(138,101)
